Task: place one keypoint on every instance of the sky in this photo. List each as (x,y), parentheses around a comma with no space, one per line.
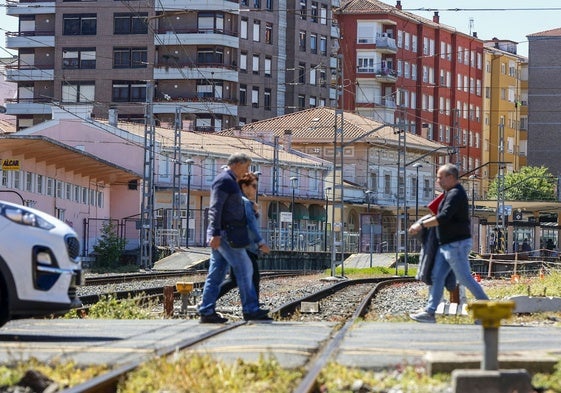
(504,19)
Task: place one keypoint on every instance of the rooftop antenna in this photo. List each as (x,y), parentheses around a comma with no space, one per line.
(470,25)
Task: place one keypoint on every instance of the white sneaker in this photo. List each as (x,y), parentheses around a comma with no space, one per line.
(423,317)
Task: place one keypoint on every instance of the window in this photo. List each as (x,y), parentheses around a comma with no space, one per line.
(268,66)
(82,91)
(313,102)
(255,64)
(211,22)
(323,14)
(243,95)
(243,62)
(28,181)
(257,4)
(255,97)
(323,45)
(210,56)
(314,16)
(313,75)
(301,101)
(243,29)
(124,23)
(78,58)
(81,24)
(267,100)
(313,43)
(130,58)
(269,5)
(302,73)
(302,41)
(127,91)
(387,184)
(256,30)
(303,9)
(268,33)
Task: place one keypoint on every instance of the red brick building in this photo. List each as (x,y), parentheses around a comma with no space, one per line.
(401,68)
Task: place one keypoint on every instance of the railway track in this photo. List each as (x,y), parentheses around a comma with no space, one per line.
(288,312)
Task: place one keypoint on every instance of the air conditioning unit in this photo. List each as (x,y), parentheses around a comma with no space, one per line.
(363,41)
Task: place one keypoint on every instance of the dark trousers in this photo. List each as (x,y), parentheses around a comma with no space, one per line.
(231,283)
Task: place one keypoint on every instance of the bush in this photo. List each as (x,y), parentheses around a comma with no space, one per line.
(110,246)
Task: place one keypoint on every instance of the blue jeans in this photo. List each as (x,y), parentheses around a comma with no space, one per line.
(220,260)
(452,256)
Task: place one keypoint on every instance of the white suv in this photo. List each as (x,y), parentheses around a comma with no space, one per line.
(39,263)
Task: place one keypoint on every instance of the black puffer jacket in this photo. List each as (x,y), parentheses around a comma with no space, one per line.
(429,248)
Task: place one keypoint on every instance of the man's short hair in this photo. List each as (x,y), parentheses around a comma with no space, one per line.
(238,158)
(450,169)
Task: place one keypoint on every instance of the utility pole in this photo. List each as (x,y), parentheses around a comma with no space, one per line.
(500,213)
(147,211)
(401,194)
(338,205)
(176,188)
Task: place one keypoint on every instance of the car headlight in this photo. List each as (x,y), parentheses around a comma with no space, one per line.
(24,217)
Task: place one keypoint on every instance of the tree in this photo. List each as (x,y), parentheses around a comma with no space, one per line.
(531,183)
(110,246)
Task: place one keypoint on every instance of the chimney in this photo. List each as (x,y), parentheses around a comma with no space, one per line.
(436,17)
(398,5)
(287,140)
(113,115)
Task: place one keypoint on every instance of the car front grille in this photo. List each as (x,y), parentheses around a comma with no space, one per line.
(73,247)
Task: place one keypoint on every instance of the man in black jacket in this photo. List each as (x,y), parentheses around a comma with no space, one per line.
(453,231)
(227,210)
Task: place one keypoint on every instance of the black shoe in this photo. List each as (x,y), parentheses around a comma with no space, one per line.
(259,315)
(213,318)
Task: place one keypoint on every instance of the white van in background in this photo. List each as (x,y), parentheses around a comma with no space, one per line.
(39,263)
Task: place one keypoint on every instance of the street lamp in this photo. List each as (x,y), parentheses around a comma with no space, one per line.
(294,183)
(472,178)
(257,174)
(189,163)
(417,166)
(327,189)
(368,194)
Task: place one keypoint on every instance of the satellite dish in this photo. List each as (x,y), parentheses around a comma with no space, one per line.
(2,109)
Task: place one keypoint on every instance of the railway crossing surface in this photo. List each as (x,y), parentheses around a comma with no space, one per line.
(367,345)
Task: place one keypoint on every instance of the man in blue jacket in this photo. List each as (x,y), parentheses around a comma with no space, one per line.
(453,231)
(227,210)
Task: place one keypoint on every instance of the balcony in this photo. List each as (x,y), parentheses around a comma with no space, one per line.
(196,105)
(198,5)
(197,37)
(30,8)
(29,73)
(383,75)
(386,45)
(196,71)
(28,106)
(30,39)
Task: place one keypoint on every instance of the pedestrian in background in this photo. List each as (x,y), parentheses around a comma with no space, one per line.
(248,185)
(453,231)
(228,238)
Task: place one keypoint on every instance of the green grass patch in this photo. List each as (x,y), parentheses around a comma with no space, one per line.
(376,271)
(111,308)
(65,374)
(202,374)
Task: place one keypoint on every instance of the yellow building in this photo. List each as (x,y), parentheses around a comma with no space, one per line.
(505,111)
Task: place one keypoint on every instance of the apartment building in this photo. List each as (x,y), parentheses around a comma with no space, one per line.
(215,64)
(505,110)
(544,89)
(419,73)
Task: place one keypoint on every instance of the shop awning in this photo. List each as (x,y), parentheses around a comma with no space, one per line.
(317,212)
(272,212)
(300,212)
